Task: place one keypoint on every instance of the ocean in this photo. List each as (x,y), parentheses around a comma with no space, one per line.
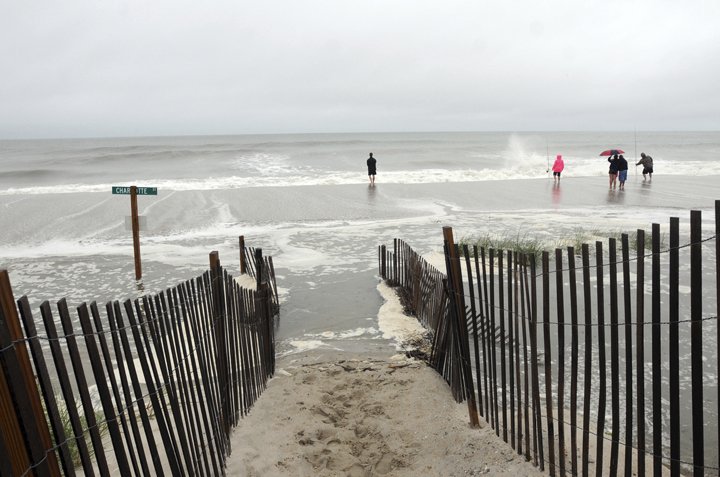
(305,200)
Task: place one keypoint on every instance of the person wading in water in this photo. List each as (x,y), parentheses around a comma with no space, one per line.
(371,162)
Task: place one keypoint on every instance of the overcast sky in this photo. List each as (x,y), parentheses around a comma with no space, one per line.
(174,67)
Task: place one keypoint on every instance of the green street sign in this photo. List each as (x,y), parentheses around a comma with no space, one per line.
(125,190)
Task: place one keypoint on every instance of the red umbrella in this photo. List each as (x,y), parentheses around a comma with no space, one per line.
(612,152)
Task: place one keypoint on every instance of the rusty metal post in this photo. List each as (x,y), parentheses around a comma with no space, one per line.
(30,422)
(135,231)
(243,265)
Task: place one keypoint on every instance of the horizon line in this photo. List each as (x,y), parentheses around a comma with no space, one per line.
(488,131)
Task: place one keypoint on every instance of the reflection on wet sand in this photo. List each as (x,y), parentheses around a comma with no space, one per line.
(556,193)
(616,196)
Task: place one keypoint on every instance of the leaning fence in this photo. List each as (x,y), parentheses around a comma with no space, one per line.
(585,361)
(150,386)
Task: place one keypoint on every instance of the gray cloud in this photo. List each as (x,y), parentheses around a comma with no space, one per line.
(84,68)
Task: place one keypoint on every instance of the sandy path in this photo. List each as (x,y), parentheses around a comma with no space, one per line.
(336,415)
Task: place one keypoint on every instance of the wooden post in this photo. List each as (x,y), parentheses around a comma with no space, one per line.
(501,330)
(548,360)
(220,334)
(717,293)
(674,346)
(259,269)
(243,265)
(574,360)
(561,358)
(492,343)
(614,359)
(214,260)
(30,420)
(656,338)
(471,286)
(383,262)
(456,279)
(136,232)
(640,351)
(587,369)
(266,318)
(696,340)
(627,288)
(600,293)
(537,411)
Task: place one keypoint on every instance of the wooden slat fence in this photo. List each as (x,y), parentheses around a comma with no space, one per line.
(577,360)
(151,386)
(252,260)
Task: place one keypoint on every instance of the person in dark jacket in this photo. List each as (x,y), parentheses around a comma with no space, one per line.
(622,171)
(371,163)
(613,171)
(647,163)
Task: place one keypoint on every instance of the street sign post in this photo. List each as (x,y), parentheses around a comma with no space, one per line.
(134,191)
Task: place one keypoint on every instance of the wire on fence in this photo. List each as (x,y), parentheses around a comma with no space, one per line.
(632,259)
(160,387)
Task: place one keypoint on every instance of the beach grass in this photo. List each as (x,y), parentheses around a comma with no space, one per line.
(70,433)
(535,245)
(530,246)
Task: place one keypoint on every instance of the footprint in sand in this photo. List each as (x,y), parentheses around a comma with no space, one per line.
(357,470)
(325,433)
(386,464)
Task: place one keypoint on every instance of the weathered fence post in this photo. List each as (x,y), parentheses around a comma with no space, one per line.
(602,388)
(548,359)
(455,277)
(539,460)
(243,265)
(395,260)
(587,368)
(263,310)
(656,337)
(717,297)
(259,269)
(674,346)
(383,262)
(640,351)
(25,434)
(220,324)
(561,358)
(696,339)
(573,360)
(627,294)
(614,359)
(473,314)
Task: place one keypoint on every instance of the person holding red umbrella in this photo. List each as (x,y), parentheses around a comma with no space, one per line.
(613,171)
(614,164)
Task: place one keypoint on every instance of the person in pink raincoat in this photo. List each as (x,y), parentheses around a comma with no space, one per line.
(558,167)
